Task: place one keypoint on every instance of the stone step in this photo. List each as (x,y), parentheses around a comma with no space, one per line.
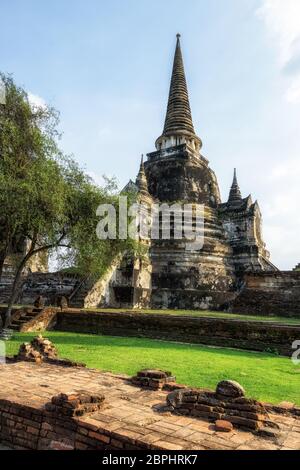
(30,315)
(78,300)
(15,327)
(77,304)
(20,321)
(6,334)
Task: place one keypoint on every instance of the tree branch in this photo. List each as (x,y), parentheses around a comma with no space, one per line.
(48,247)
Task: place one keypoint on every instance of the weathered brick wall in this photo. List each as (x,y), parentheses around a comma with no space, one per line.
(47,406)
(25,427)
(49,285)
(255,336)
(275,293)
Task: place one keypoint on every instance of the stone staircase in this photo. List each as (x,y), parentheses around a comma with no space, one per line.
(6,287)
(6,334)
(77,298)
(6,283)
(23,316)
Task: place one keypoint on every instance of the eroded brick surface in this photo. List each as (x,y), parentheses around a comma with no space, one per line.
(130,417)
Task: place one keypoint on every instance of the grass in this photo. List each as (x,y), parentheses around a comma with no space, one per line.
(203,313)
(265,376)
(15,306)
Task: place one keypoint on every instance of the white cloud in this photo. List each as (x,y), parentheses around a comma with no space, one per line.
(280,212)
(282,224)
(282,20)
(288,171)
(292,94)
(36,101)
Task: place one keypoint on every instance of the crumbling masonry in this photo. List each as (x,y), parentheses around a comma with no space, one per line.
(174,277)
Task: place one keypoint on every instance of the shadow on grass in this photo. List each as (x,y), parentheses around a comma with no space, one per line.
(88,340)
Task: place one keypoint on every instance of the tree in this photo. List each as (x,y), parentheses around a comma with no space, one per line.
(45,198)
(27,136)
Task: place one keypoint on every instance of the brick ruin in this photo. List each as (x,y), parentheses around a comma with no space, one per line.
(48,406)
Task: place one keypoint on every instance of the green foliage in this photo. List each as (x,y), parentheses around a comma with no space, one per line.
(265,377)
(46,201)
(28,169)
(85,251)
(45,197)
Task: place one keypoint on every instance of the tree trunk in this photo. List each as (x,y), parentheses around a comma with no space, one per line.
(3,255)
(15,291)
(16,284)
(2,259)
(5,243)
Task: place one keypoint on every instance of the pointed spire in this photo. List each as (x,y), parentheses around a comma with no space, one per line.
(235,192)
(178,121)
(141,180)
(142,168)
(179,116)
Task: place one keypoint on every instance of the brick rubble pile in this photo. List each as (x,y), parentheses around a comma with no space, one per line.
(38,350)
(153,379)
(228,403)
(75,404)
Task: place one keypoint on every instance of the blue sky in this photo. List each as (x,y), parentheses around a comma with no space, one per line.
(105,65)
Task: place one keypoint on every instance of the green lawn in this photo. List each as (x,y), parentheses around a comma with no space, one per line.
(202,313)
(265,377)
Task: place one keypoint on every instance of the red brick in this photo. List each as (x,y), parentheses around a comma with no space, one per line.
(117,443)
(99,437)
(223,426)
(32,430)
